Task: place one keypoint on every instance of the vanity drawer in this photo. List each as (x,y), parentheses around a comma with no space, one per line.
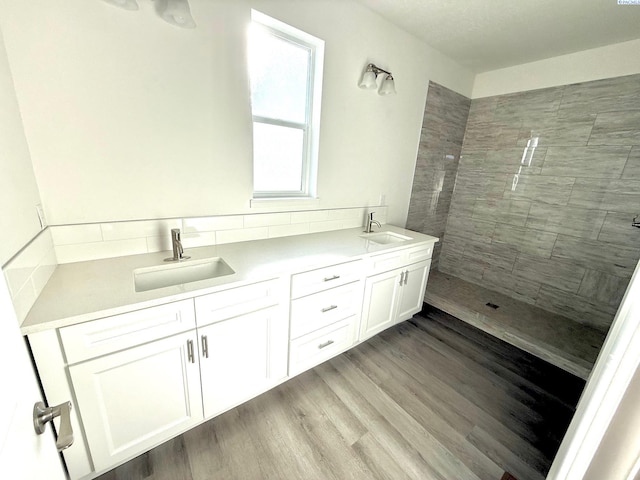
(233,302)
(325,278)
(316,311)
(110,334)
(314,348)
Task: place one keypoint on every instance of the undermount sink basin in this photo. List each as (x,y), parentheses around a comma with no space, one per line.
(150,278)
(385,238)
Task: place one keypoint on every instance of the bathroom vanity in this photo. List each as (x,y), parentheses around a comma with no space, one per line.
(144,366)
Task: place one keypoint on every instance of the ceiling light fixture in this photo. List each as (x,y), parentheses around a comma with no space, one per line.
(369,80)
(175,12)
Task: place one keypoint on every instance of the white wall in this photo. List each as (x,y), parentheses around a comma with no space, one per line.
(595,64)
(18,190)
(128,117)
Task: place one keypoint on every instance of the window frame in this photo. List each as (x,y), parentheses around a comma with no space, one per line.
(311,127)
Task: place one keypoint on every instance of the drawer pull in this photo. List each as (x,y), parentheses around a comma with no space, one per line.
(190,351)
(328,279)
(328,309)
(325,344)
(205,346)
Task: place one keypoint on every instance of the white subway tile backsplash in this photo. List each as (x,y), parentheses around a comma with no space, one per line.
(29,271)
(310,216)
(316,227)
(288,230)
(243,235)
(139,229)
(18,271)
(347,214)
(202,239)
(94,251)
(43,272)
(23,300)
(76,243)
(267,219)
(158,244)
(212,224)
(70,234)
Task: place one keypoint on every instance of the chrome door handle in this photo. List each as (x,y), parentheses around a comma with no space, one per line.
(406,276)
(42,415)
(401,278)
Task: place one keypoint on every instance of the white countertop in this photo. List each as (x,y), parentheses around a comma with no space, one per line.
(83,291)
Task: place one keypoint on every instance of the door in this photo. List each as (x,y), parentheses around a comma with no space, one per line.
(412,291)
(23,454)
(380,302)
(134,399)
(242,357)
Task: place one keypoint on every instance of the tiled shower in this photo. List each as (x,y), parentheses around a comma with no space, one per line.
(533,194)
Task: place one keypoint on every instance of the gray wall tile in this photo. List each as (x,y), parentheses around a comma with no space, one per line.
(562,239)
(603,287)
(593,162)
(503,281)
(533,242)
(558,274)
(539,188)
(632,168)
(576,221)
(608,195)
(576,307)
(606,257)
(617,229)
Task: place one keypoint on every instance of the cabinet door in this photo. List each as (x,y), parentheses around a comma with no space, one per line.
(134,399)
(242,357)
(412,291)
(380,303)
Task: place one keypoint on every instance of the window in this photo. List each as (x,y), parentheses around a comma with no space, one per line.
(285,67)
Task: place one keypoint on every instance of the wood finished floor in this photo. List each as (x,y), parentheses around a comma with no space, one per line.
(431,398)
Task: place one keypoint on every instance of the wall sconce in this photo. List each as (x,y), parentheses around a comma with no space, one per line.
(175,12)
(370,77)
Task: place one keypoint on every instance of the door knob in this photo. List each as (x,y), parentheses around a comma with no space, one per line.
(42,415)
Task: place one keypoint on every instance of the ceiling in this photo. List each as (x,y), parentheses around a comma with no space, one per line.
(490,34)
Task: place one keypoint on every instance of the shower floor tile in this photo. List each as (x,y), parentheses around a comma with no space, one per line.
(560,341)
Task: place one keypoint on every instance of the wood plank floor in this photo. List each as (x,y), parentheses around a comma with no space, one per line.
(431,398)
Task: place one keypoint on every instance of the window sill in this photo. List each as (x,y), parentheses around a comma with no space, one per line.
(291,203)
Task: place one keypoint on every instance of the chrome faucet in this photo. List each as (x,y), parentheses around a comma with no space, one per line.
(370,222)
(176,244)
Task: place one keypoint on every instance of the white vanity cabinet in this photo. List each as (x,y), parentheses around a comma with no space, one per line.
(136,379)
(325,313)
(242,335)
(395,290)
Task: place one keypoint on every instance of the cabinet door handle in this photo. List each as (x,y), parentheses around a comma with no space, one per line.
(205,346)
(406,276)
(328,309)
(328,279)
(401,278)
(325,344)
(190,351)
